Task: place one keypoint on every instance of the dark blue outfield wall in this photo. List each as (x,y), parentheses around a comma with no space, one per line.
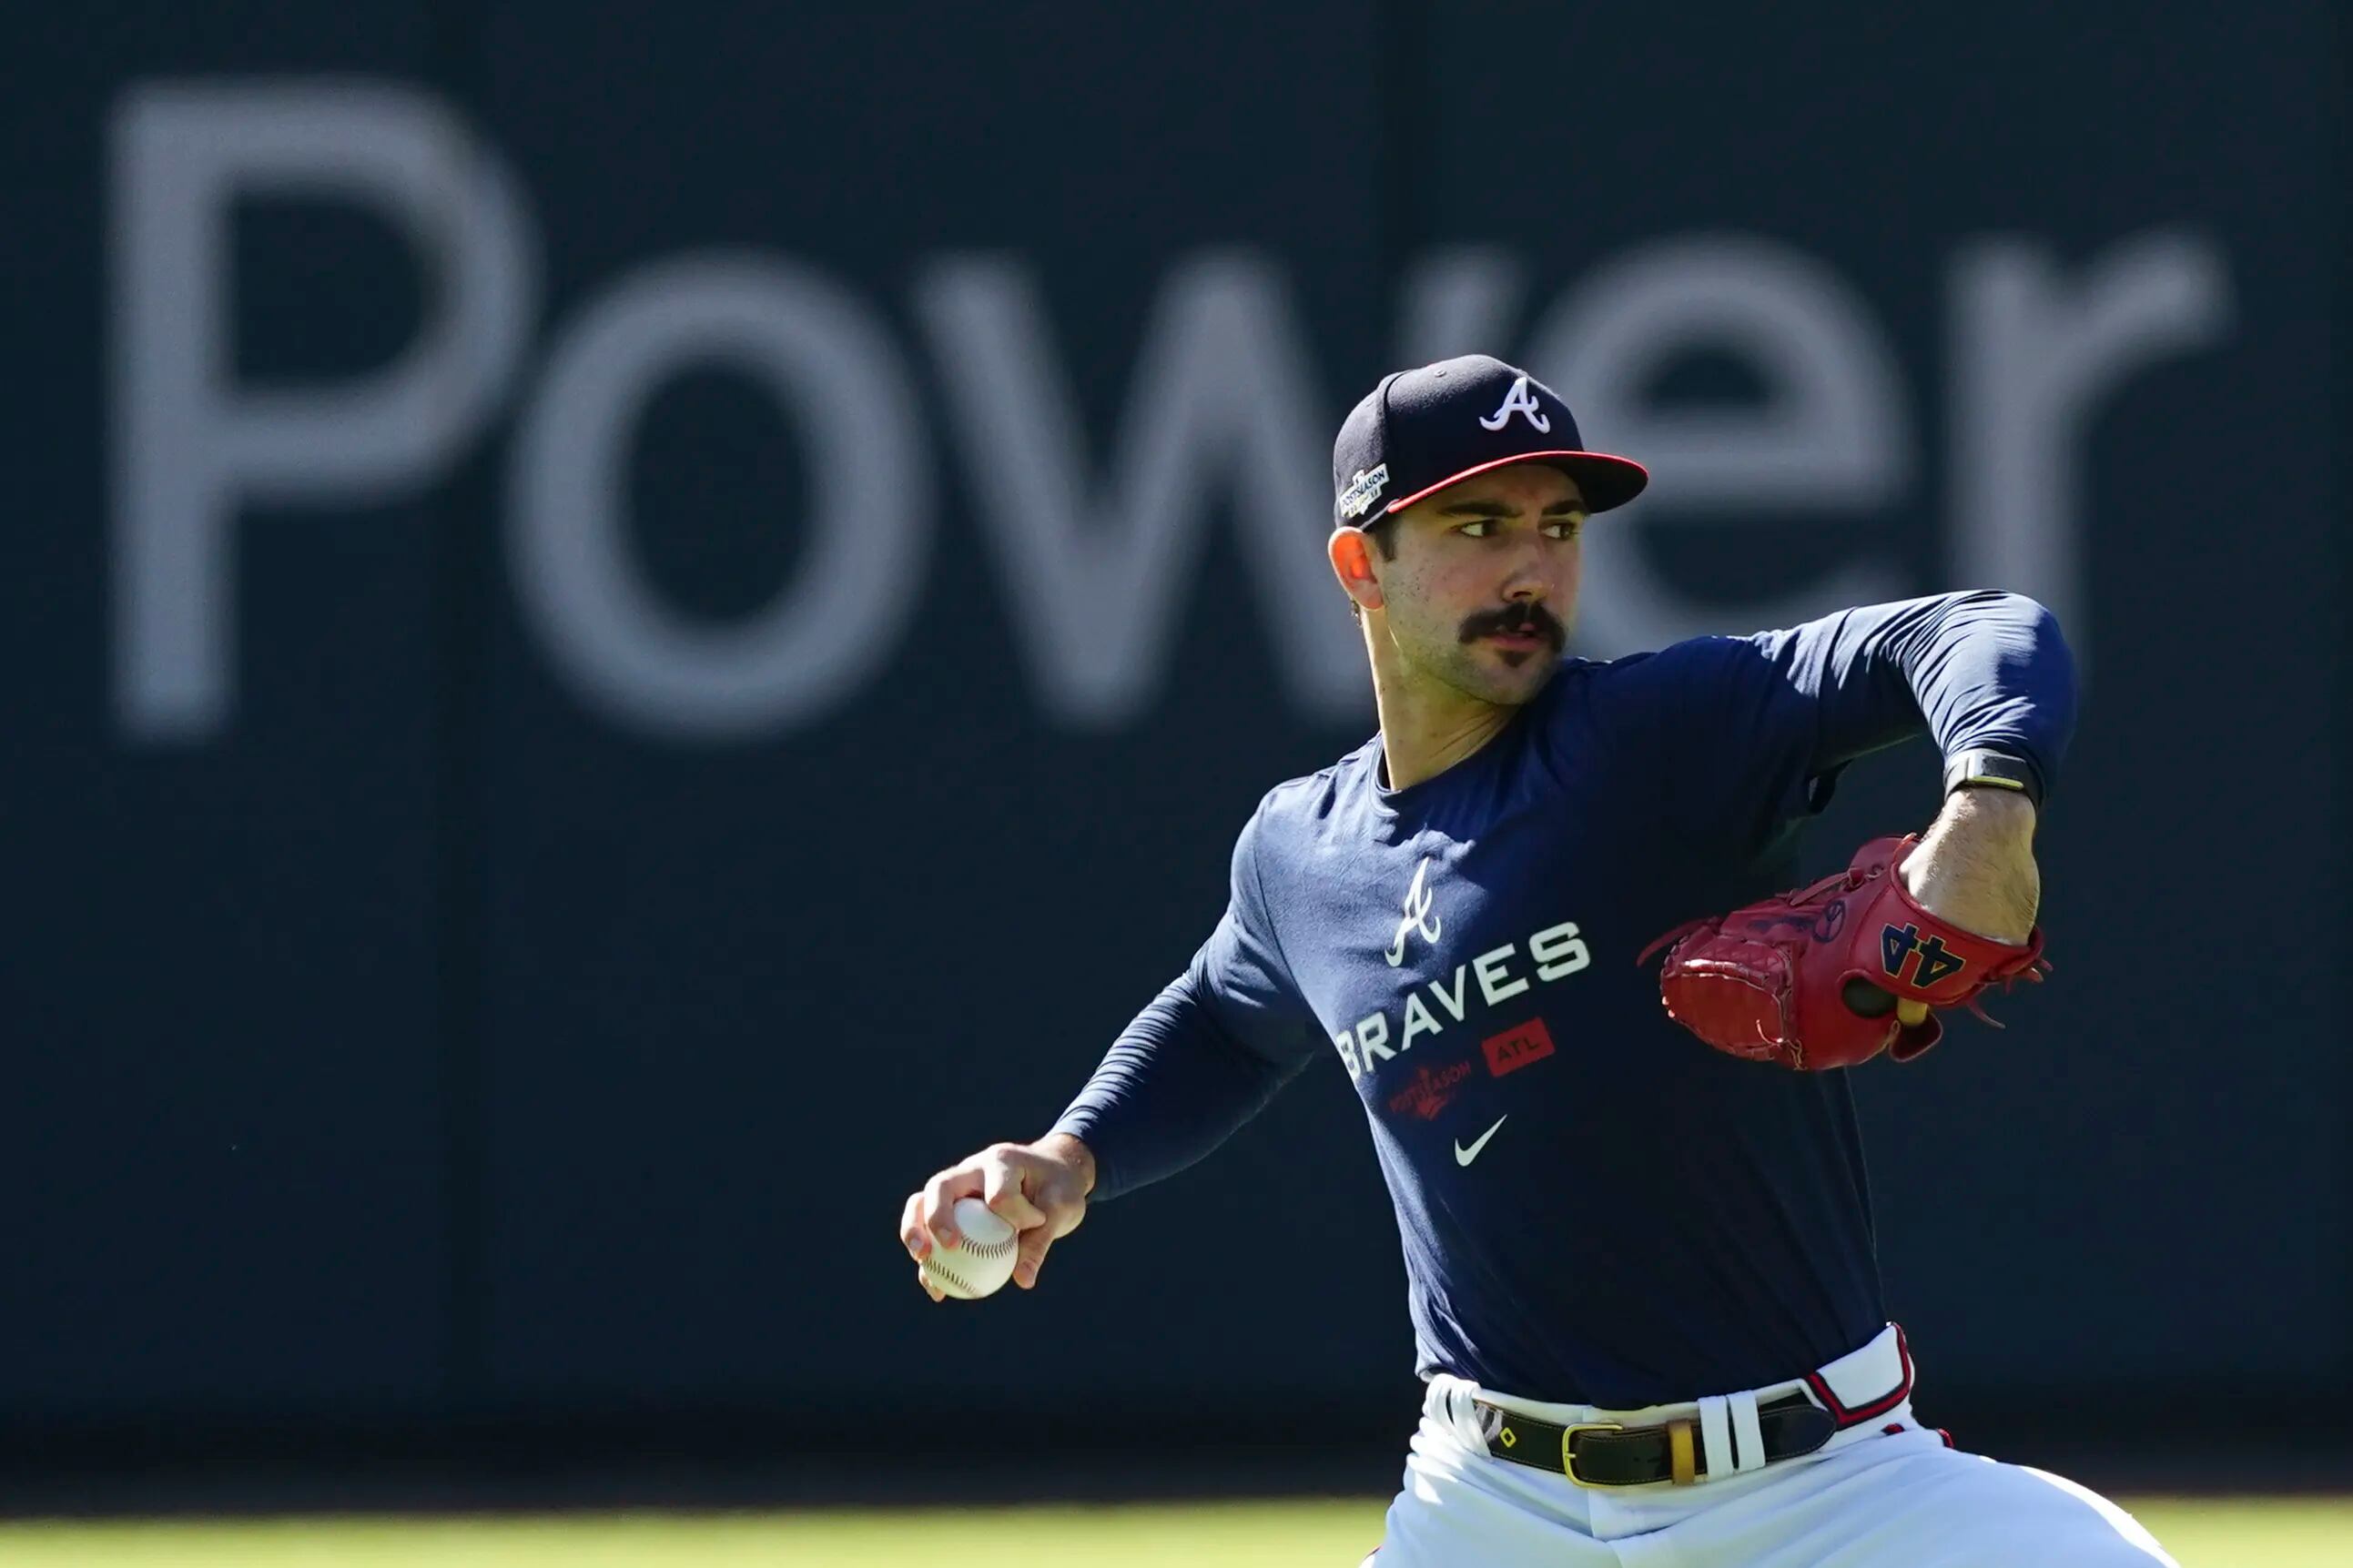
(626,632)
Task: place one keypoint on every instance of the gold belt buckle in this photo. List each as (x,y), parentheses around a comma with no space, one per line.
(1568,1452)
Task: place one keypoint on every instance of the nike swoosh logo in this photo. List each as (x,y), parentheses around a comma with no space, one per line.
(1464,1156)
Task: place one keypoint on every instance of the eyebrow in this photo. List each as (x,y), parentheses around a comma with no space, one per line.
(1496,508)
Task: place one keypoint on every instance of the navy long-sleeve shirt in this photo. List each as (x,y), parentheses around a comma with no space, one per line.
(1595,1207)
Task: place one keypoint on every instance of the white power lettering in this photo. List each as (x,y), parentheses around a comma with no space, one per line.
(1090,524)
(2036,354)
(1348,1044)
(1373,1041)
(1418,1020)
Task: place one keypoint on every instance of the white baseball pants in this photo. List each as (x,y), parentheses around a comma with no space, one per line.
(1883,1493)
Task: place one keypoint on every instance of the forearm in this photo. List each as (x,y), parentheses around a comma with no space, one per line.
(1975,866)
(1173,1087)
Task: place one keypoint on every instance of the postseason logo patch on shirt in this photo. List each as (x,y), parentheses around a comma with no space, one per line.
(1364,491)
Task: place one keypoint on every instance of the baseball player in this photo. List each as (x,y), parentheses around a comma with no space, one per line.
(1636,1230)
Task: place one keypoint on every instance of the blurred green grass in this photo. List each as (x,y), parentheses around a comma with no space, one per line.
(2202,1532)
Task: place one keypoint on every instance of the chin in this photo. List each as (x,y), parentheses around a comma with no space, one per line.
(1508,685)
(1484,675)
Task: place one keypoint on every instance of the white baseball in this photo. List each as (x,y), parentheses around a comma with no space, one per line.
(982,1262)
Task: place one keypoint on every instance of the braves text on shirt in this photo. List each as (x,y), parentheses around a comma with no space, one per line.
(1554,954)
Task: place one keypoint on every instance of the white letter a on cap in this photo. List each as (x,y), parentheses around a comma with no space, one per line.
(1519,400)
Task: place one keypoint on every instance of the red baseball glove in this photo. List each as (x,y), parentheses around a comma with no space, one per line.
(1831,975)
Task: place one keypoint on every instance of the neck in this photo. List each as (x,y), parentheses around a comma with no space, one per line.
(1426,728)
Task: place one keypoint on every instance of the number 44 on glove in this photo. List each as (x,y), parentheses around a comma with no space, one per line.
(1832,975)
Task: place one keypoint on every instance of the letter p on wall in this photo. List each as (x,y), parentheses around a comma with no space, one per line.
(190,445)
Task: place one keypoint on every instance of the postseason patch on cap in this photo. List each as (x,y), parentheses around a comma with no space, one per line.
(1363,491)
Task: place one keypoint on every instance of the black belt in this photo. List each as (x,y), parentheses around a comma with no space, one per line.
(1604,1454)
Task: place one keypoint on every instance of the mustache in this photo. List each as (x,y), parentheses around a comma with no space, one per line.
(1523,620)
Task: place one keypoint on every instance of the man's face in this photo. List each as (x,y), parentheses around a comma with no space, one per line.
(1482,589)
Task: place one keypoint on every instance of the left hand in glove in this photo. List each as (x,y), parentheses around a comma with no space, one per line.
(1832,975)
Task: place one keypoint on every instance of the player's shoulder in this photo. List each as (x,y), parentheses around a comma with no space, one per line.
(1312,797)
(1660,684)
(1301,809)
(1697,657)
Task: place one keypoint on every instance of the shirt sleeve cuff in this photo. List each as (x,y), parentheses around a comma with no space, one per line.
(1987,768)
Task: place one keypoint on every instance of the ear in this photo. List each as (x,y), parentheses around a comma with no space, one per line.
(1352,562)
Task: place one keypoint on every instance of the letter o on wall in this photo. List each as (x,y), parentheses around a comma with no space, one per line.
(839,379)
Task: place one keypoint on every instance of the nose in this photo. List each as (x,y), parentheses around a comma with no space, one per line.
(1527,582)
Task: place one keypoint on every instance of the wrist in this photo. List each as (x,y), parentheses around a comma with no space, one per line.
(1975,865)
(1989,811)
(1065,1148)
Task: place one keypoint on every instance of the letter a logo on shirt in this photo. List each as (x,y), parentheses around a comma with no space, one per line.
(1519,400)
(1417,915)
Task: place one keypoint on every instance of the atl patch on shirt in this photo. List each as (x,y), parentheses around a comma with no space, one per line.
(1516,1047)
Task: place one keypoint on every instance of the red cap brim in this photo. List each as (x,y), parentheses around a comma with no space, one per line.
(1606,480)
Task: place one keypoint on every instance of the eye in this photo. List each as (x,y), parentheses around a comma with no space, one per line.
(1567,527)
(1478,530)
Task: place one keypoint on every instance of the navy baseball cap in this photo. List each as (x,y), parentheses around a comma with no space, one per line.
(1421,430)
